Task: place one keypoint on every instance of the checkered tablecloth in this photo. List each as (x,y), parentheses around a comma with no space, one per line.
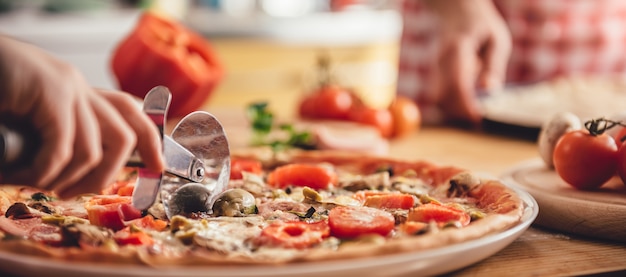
(550,38)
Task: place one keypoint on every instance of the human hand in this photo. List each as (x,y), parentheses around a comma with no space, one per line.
(86,134)
(474,48)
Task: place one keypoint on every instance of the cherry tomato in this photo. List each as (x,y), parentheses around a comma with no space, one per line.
(295,234)
(248,165)
(621,162)
(310,175)
(585,161)
(328,102)
(381,119)
(406,116)
(348,222)
(308,107)
(620,136)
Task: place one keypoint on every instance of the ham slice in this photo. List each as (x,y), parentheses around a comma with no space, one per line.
(347,136)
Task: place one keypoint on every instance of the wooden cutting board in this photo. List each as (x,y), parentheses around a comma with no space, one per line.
(599,213)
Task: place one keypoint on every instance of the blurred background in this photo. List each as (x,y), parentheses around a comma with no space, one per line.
(269,48)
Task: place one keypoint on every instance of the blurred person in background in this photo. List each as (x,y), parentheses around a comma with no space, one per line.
(452,50)
(86,134)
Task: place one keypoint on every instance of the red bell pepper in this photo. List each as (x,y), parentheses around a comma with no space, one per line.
(162,51)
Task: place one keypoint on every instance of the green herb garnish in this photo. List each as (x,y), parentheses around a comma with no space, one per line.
(263,125)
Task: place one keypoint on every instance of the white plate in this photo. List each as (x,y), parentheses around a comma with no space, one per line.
(530,105)
(429,262)
(599,213)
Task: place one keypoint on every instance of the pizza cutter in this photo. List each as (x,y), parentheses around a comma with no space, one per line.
(201,134)
(197,159)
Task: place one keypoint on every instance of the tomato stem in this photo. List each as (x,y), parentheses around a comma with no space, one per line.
(323,65)
(598,126)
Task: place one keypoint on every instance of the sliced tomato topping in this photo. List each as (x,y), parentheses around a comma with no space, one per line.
(148,222)
(309,175)
(438,213)
(413,227)
(128,237)
(126,190)
(348,222)
(123,188)
(294,234)
(111,211)
(240,165)
(385,200)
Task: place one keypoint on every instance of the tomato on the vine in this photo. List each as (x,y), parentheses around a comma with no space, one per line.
(381,119)
(620,135)
(406,116)
(621,162)
(620,139)
(586,159)
(328,102)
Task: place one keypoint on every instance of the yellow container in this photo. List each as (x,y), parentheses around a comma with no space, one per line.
(263,70)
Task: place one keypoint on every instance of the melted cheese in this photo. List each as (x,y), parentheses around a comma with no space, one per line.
(227,234)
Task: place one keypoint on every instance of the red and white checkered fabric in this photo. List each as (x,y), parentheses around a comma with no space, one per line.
(550,38)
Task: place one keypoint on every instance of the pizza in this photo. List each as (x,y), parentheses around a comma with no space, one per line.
(280,207)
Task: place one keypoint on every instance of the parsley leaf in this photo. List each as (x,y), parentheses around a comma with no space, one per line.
(262,123)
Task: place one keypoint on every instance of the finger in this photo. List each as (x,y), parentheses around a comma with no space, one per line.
(149,138)
(118,141)
(87,147)
(458,94)
(494,62)
(56,131)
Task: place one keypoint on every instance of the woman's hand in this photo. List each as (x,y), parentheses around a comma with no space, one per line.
(474,48)
(86,134)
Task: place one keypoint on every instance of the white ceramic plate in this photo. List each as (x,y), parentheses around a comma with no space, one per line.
(430,262)
(530,105)
(599,213)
